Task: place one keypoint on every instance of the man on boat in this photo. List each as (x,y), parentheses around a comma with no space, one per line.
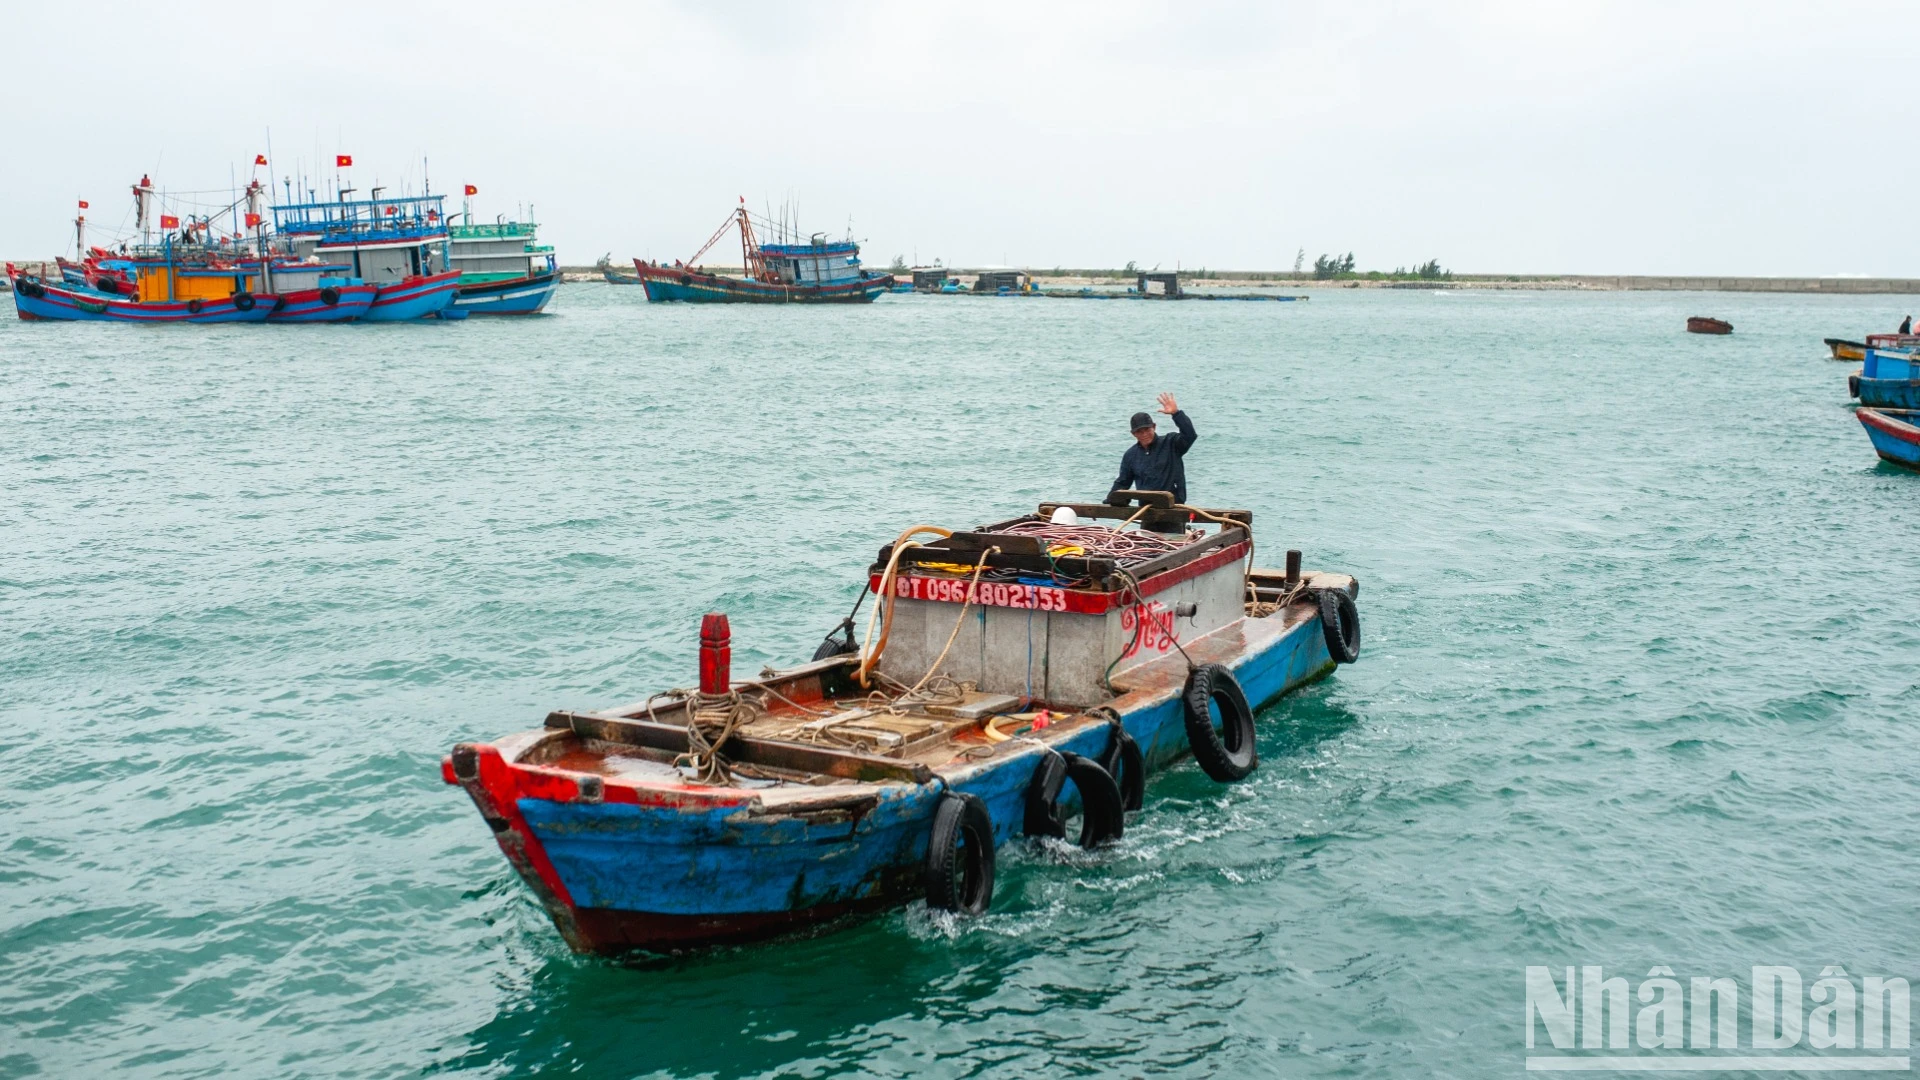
(1906,325)
(1153,463)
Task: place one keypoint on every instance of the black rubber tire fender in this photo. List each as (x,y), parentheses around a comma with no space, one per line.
(1853,386)
(959,870)
(1043,797)
(107,285)
(1128,767)
(32,289)
(242,301)
(330,296)
(1340,619)
(1103,811)
(194,306)
(1227,755)
(279,304)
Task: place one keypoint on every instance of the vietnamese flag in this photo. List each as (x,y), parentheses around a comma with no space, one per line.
(168,221)
(83,204)
(341,161)
(253,220)
(471,190)
(259,159)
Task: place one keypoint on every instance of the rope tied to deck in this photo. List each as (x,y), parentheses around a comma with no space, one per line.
(712,719)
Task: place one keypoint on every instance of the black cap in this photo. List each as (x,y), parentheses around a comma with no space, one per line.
(1140,420)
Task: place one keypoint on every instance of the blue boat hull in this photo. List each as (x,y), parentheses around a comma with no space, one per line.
(1889,393)
(617,876)
(414,298)
(1895,434)
(669,285)
(72,305)
(1888,379)
(517,296)
(309,306)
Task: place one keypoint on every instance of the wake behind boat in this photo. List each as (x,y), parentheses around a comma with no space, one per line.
(816,272)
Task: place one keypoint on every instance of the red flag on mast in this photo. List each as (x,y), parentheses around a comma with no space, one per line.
(341,161)
(471,190)
(168,221)
(259,159)
(83,204)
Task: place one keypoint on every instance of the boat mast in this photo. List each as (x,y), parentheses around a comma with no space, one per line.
(80,236)
(143,209)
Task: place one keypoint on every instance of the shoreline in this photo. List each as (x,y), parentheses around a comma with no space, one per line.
(1246,279)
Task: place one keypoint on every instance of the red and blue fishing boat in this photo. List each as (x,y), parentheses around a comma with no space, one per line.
(816,272)
(36,299)
(1017,680)
(397,245)
(1895,434)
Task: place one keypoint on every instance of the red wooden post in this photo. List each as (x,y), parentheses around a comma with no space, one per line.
(716,654)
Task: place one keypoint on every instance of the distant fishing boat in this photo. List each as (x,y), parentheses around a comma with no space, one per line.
(1701,324)
(816,272)
(504,270)
(614,277)
(398,245)
(1846,350)
(1895,434)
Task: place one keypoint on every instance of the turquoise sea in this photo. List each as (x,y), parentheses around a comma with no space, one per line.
(1638,685)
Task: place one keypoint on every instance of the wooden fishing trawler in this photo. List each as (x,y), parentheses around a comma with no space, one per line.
(396,245)
(1704,324)
(1842,349)
(192,273)
(1888,379)
(816,272)
(504,269)
(1020,679)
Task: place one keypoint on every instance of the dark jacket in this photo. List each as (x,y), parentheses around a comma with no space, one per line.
(1158,465)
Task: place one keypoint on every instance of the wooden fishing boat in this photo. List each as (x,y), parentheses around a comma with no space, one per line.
(612,276)
(1895,434)
(1023,674)
(397,245)
(1701,324)
(36,299)
(1888,379)
(504,269)
(1842,349)
(816,272)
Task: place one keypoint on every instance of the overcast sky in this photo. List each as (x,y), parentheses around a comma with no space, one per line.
(1527,136)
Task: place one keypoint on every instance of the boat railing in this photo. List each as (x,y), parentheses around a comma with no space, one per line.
(507,230)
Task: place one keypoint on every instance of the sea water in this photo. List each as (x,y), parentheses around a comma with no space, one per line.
(1637,686)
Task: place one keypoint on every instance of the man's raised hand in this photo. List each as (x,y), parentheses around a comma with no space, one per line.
(1167,405)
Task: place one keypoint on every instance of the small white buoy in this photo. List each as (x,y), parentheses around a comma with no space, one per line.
(1064,515)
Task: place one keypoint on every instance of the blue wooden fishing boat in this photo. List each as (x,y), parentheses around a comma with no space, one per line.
(1895,434)
(504,269)
(1017,680)
(1888,379)
(397,245)
(816,272)
(36,299)
(612,276)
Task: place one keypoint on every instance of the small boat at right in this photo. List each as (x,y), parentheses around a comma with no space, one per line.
(1895,434)
(1888,379)
(1702,324)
